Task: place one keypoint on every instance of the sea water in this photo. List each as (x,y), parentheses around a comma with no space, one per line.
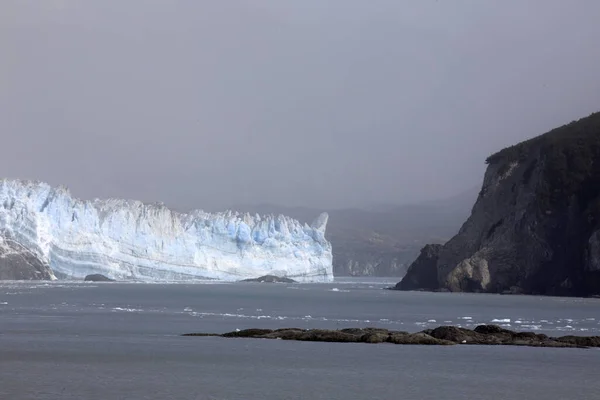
(81,340)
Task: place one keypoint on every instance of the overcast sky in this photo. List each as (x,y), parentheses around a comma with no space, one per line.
(337,103)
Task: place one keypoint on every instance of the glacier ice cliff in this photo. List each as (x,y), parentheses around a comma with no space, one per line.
(131,240)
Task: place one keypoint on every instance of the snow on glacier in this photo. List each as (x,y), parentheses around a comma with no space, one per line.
(126,239)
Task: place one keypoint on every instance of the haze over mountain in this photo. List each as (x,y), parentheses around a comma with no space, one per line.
(327,105)
(384,240)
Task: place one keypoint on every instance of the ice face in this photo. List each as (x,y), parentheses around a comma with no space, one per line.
(125,239)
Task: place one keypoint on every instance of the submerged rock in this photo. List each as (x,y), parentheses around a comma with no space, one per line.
(270,279)
(443,335)
(98,278)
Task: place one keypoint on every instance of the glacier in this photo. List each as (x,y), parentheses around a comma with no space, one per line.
(131,240)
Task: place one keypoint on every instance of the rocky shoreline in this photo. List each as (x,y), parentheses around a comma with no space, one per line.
(443,335)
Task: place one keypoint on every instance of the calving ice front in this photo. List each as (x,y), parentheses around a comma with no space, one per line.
(130,240)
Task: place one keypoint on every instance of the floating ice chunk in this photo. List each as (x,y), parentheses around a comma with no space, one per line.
(501,320)
(532,327)
(339,290)
(127,309)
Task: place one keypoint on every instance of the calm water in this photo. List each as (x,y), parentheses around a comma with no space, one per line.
(121,341)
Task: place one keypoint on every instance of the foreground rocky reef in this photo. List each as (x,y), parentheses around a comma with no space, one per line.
(443,335)
(45,233)
(535,227)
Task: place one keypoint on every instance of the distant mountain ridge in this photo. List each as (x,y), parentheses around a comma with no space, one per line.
(384,240)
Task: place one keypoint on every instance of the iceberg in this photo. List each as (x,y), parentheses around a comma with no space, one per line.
(131,240)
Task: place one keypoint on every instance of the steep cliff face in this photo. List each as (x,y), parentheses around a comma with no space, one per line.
(423,272)
(535,227)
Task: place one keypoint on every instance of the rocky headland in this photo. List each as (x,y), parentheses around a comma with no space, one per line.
(535,227)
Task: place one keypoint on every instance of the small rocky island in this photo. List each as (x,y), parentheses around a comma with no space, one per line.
(270,279)
(98,278)
(443,335)
(535,227)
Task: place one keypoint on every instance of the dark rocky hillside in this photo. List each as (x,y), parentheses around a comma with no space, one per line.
(19,263)
(535,227)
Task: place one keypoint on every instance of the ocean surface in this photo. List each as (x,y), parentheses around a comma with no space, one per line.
(76,340)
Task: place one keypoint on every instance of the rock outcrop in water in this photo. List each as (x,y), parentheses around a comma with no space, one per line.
(535,227)
(97,278)
(443,335)
(123,239)
(270,279)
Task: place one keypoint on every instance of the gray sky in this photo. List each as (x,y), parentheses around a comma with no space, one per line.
(204,104)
